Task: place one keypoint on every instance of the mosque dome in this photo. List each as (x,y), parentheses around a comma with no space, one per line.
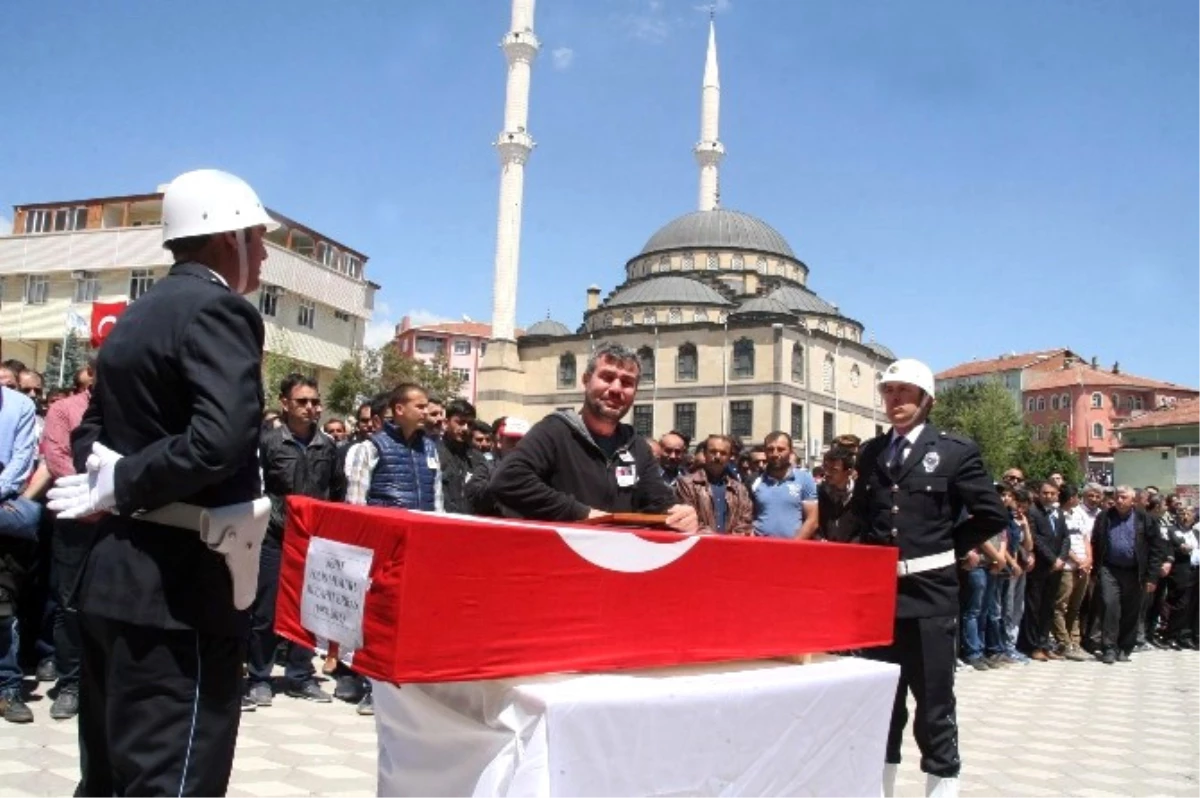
(719,229)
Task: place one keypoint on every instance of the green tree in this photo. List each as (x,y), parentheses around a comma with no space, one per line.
(985,413)
(349,388)
(68,360)
(1053,456)
(436,378)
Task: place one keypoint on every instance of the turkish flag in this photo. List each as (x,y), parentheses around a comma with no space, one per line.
(421,597)
(104,318)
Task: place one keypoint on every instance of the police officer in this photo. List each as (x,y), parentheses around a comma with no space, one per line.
(927,493)
(174,417)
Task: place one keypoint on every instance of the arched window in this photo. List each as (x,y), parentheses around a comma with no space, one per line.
(1031,405)
(1116,400)
(1039,432)
(1065,401)
(827,374)
(651,267)
(608,320)
(1054,402)
(689,261)
(674,316)
(743,358)
(739,262)
(855,376)
(1041,403)
(664,264)
(761,265)
(627,319)
(798,363)
(1128,403)
(648,318)
(823,326)
(687,364)
(1098,431)
(1097,400)
(700,315)
(1137,403)
(712,262)
(646,358)
(566,371)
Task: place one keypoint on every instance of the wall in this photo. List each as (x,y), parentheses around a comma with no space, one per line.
(1141,467)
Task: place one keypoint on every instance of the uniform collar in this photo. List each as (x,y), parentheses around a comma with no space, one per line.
(913,435)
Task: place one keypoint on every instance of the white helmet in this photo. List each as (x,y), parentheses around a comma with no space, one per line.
(208,201)
(911,372)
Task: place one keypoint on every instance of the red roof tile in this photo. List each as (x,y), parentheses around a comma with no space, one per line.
(978,368)
(475,329)
(1185,411)
(1049,376)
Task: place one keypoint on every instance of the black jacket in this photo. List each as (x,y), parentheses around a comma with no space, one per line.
(460,465)
(558,473)
(939,499)
(1050,541)
(1148,543)
(179,393)
(291,468)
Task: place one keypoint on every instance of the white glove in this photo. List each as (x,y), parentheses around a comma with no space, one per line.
(81,495)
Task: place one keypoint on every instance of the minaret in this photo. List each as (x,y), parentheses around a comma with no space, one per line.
(513,145)
(709,150)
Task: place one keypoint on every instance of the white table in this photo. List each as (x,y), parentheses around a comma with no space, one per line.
(746,729)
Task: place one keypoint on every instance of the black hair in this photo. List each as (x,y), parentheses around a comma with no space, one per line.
(183,248)
(839,453)
(461,408)
(776,435)
(482,426)
(1066,493)
(293,381)
(399,394)
(380,403)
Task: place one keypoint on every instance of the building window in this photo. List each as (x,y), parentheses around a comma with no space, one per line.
(700,315)
(1065,401)
(646,359)
(1137,403)
(1054,402)
(87,287)
(741,418)
(855,376)
(686,364)
(1128,403)
(140,281)
(664,264)
(268,300)
(685,419)
(464,375)
(70,219)
(760,265)
(827,374)
(327,254)
(823,326)
(689,261)
(797,363)
(427,345)
(566,371)
(797,422)
(1041,403)
(462,346)
(341,315)
(353,266)
(1039,432)
(1098,400)
(738,262)
(37,221)
(627,319)
(743,358)
(1098,431)
(712,262)
(1031,404)
(607,321)
(649,319)
(828,428)
(674,316)
(37,289)
(643,420)
(1116,400)
(306,316)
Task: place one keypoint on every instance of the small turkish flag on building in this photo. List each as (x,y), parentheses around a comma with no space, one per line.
(104,318)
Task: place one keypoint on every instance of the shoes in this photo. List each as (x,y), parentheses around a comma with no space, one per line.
(978,664)
(349,689)
(1052,654)
(1039,656)
(309,691)
(1076,655)
(366,706)
(1123,657)
(1009,659)
(1109,657)
(46,671)
(248,704)
(260,694)
(65,706)
(995,661)
(1142,648)
(1159,643)
(13,709)
(1191,645)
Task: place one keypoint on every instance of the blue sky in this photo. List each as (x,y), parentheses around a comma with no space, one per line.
(962,178)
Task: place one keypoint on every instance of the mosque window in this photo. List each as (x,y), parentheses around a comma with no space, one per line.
(712,262)
(686,364)
(566,371)
(627,319)
(743,358)
(855,376)
(722,317)
(649,319)
(700,315)
(739,263)
(608,320)
(646,359)
(827,374)
(797,363)
(674,316)
(664,264)
(761,265)
(823,326)
(689,261)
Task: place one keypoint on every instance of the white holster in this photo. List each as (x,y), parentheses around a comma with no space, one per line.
(235,532)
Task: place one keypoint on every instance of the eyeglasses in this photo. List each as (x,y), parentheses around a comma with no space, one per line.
(305,401)
(1013,477)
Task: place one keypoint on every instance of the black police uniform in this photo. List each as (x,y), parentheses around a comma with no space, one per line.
(936,500)
(178,393)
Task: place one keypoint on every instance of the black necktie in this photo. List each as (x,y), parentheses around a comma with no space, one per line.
(896,453)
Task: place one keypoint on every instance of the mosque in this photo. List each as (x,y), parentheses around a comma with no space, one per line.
(716,303)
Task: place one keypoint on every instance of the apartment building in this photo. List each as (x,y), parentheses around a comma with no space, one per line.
(62,256)
(463,343)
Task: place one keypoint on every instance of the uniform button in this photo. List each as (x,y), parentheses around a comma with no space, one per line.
(895,510)
(895,532)
(928,488)
(895,488)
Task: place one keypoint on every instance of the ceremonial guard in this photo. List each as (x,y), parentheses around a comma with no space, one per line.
(927,493)
(173,420)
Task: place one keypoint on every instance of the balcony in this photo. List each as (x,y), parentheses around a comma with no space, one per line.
(141,248)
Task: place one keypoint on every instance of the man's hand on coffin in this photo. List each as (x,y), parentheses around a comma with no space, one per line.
(682,518)
(594,513)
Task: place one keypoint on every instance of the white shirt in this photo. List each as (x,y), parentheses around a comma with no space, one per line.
(909,438)
(1079,527)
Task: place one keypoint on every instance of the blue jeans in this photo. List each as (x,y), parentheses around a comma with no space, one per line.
(19,518)
(10,644)
(972,644)
(995,638)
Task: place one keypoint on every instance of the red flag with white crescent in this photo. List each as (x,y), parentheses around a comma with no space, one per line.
(104,318)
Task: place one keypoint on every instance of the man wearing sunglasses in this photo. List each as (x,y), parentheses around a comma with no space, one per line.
(297,460)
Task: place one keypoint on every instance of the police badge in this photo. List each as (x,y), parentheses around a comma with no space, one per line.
(931,462)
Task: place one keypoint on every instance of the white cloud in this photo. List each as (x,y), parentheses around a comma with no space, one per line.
(382,326)
(562,57)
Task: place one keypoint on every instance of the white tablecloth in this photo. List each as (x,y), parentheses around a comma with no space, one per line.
(746,729)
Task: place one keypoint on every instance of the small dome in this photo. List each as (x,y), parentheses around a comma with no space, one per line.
(718,229)
(801,300)
(881,350)
(762,306)
(548,327)
(668,290)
